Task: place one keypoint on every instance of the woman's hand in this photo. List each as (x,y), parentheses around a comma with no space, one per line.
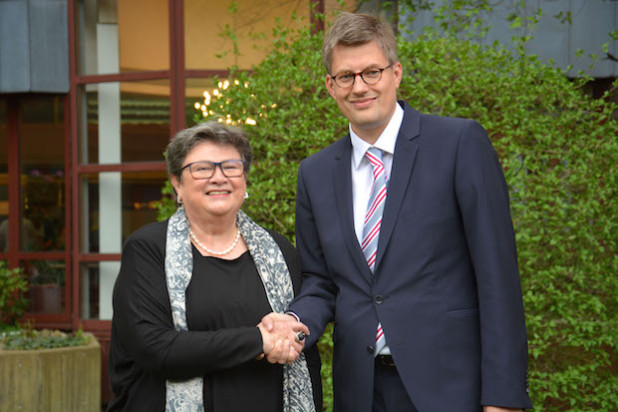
(280,338)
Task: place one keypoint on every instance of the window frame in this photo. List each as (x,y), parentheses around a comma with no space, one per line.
(14,256)
(176,75)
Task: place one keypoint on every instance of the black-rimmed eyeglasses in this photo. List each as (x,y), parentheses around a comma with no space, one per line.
(205,169)
(369,76)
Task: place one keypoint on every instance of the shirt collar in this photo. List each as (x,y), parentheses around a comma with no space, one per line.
(386,142)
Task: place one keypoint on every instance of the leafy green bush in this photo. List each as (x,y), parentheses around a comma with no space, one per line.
(559,150)
(13,287)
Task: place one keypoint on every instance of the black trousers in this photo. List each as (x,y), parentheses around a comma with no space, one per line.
(389,394)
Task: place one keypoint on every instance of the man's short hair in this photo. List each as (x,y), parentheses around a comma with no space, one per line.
(355,29)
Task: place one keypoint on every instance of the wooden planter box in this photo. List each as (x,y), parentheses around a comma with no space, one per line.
(51,380)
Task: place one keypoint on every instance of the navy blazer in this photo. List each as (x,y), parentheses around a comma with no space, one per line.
(446,285)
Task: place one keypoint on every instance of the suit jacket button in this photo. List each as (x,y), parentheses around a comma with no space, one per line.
(379,299)
(370,349)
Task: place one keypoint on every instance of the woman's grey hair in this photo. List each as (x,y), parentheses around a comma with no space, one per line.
(355,29)
(212,131)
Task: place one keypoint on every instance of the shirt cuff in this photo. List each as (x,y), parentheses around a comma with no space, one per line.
(293,314)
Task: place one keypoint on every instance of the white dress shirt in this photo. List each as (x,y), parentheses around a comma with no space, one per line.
(362,175)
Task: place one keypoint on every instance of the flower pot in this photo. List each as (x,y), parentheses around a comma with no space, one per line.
(45,298)
(52,380)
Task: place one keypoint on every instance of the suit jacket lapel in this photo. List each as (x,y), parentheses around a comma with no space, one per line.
(342,181)
(403,164)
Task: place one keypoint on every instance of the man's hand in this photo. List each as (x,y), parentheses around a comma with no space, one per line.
(280,337)
(499,409)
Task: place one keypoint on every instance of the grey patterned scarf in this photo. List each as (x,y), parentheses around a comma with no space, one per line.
(186,395)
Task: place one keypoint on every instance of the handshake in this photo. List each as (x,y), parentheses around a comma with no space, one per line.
(282,338)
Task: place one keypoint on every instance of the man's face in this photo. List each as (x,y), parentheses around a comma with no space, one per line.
(368,107)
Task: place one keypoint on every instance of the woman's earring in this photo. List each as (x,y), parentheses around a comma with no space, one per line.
(246,195)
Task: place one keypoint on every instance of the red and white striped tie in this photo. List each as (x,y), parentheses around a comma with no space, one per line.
(373,222)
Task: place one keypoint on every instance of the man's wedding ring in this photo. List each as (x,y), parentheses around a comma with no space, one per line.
(300,336)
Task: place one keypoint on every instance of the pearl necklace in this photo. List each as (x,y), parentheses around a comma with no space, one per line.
(212,252)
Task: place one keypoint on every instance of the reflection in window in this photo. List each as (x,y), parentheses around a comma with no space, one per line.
(124,122)
(134,34)
(46,289)
(137,193)
(42,220)
(41,150)
(113,206)
(90,293)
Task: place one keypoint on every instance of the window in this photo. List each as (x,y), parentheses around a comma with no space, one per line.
(123,108)
(122,36)
(33,181)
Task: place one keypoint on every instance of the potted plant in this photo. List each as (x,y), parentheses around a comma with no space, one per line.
(43,370)
(45,287)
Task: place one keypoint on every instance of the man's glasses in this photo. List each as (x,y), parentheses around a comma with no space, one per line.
(369,76)
(205,169)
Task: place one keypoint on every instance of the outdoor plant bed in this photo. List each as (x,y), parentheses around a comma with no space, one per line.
(56,379)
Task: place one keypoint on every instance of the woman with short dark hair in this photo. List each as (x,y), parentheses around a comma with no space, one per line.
(186,331)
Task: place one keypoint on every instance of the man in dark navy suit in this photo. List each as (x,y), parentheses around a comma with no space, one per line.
(407,244)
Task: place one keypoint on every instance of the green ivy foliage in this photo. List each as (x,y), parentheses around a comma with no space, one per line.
(559,151)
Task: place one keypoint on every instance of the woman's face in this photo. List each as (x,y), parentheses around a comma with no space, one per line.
(219,196)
